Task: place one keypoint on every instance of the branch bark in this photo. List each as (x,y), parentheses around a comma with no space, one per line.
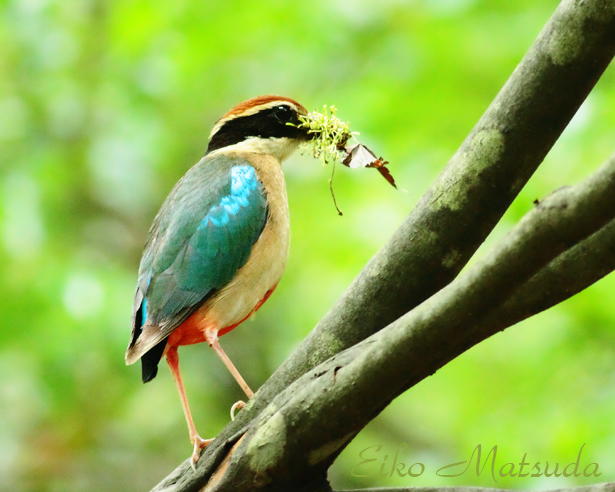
(431,247)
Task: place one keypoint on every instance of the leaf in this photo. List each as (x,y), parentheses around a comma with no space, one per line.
(359,155)
(380,164)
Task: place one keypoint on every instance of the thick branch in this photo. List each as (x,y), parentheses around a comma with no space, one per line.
(327,407)
(567,275)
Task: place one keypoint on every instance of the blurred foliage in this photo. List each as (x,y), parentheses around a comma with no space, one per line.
(104,105)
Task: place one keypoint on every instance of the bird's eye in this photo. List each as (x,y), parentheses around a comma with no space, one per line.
(283,113)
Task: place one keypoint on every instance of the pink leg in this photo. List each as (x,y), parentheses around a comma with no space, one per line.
(212,339)
(198,442)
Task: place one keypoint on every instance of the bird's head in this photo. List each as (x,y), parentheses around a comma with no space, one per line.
(261,125)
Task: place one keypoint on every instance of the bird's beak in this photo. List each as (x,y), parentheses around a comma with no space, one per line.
(306,135)
(301,132)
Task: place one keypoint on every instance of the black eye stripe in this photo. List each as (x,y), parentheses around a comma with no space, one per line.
(266,123)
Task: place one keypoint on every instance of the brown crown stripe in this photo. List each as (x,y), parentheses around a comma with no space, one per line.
(259,101)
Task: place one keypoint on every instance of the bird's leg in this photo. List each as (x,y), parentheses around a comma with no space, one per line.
(197,441)
(212,339)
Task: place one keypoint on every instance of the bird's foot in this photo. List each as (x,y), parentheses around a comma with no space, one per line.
(237,406)
(199,443)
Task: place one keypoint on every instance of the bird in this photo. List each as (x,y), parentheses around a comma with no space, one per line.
(218,246)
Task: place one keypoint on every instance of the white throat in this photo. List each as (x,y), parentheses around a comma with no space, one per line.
(280,148)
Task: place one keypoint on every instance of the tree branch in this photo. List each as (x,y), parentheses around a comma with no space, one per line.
(567,275)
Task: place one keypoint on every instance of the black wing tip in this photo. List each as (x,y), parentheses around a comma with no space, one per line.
(150,360)
(147,374)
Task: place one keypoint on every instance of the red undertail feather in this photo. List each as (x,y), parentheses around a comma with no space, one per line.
(190,332)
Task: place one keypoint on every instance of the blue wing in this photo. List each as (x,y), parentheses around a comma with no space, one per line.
(203,234)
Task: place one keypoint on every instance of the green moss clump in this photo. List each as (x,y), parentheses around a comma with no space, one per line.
(332,134)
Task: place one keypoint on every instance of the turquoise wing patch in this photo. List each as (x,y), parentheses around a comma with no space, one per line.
(224,238)
(203,234)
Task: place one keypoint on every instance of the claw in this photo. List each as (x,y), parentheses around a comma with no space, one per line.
(199,444)
(237,406)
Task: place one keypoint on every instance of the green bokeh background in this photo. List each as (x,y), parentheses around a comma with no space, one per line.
(104,105)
